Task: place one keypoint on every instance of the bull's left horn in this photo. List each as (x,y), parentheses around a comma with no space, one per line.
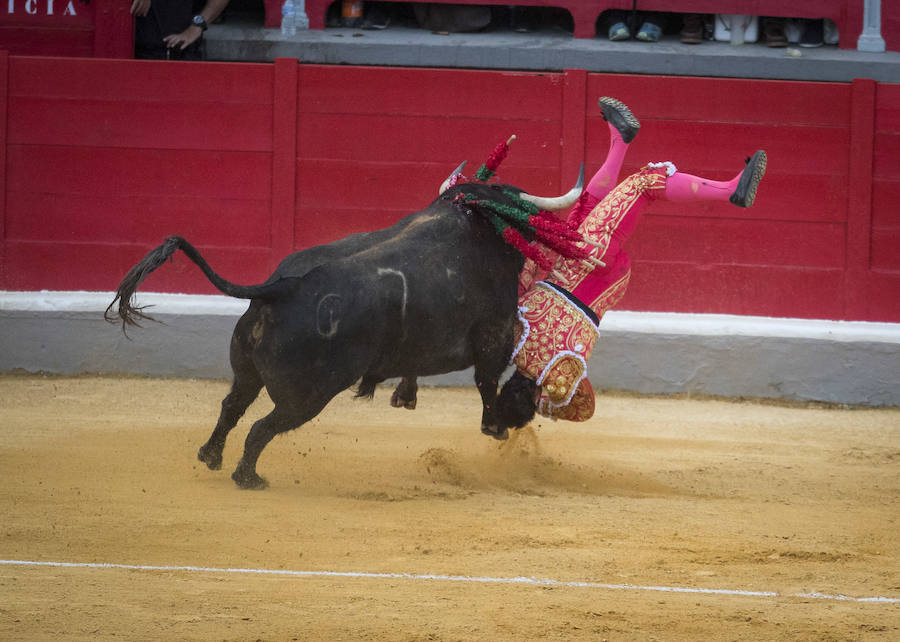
(557,203)
(455,172)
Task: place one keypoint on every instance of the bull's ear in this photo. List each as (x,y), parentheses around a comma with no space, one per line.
(449,179)
(556,203)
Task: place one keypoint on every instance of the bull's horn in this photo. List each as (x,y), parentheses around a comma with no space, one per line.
(456,171)
(557,203)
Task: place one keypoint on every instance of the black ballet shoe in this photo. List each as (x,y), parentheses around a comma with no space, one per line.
(745,193)
(617,114)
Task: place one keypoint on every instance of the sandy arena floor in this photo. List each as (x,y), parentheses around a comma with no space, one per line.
(651,494)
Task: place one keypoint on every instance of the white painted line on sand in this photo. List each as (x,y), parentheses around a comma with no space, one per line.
(535,581)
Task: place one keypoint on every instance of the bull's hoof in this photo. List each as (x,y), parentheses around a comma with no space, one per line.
(248,480)
(495,431)
(404,395)
(399,402)
(210,456)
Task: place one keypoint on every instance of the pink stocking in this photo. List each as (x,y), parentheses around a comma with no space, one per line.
(603,181)
(605,178)
(687,187)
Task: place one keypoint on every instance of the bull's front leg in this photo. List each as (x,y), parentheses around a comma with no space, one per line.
(404,395)
(493,344)
(488,370)
(517,401)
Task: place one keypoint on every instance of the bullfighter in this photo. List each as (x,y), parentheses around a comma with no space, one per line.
(559,310)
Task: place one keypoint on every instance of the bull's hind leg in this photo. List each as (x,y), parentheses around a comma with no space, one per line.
(280,420)
(244,390)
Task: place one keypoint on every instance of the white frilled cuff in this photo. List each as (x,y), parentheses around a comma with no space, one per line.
(669,165)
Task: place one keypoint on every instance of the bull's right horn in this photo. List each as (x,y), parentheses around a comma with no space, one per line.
(557,203)
(446,184)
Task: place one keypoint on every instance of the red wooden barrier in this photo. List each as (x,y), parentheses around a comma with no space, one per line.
(103,159)
(99,28)
(847,14)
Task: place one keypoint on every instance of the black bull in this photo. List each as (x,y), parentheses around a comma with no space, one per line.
(434,293)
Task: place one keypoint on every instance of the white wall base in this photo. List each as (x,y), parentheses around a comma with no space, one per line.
(656,353)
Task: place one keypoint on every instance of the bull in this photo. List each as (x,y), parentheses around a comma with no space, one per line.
(432,294)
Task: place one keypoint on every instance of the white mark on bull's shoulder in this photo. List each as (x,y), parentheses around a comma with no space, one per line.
(328,315)
(392,272)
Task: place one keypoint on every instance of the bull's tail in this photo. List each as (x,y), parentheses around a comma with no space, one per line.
(129,314)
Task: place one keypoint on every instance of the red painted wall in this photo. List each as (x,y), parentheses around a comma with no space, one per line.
(100,28)
(101,159)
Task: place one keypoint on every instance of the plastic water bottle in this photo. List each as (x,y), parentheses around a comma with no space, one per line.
(288,19)
(738,28)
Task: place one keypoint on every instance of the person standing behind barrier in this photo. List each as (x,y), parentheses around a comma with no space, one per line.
(171,29)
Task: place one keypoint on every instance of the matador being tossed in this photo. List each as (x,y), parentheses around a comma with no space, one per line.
(560,309)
